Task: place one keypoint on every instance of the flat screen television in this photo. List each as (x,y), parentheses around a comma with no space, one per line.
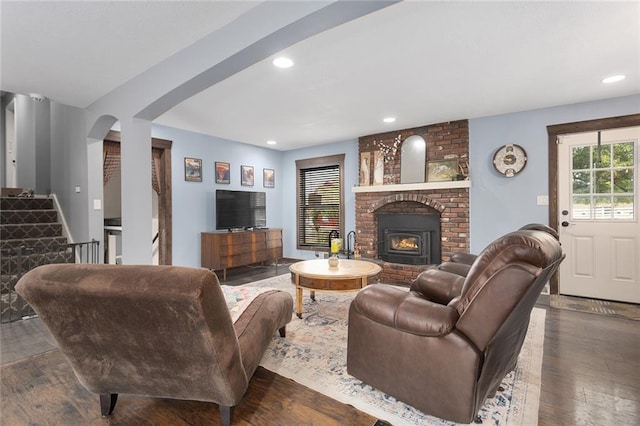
(240,209)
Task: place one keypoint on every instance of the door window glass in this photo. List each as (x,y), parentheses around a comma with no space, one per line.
(581,208)
(601,156)
(581,182)
(603,181)
(581,157)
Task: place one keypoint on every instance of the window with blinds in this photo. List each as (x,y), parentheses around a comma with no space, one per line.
(319,201)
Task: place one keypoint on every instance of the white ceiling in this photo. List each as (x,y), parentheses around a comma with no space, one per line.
(422,62)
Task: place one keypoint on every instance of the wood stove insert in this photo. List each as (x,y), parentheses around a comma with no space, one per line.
(412,239)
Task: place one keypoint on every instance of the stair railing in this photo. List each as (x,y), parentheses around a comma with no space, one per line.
(17,261)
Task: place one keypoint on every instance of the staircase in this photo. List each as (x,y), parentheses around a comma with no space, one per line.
(30,235)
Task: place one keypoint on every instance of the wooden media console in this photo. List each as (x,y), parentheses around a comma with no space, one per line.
(222,249)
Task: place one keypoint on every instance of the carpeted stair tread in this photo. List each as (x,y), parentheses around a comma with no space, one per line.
(33,242)
(18,203)
(28,216)
(30,230)
(30,236)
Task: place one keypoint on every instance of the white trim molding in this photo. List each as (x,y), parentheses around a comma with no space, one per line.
(413,186)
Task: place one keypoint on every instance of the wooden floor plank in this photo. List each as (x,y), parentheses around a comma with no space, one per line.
(584,377)
(31,397)
(590,375)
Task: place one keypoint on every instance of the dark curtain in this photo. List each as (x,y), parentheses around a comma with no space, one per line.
(111,163)
(155,166)
(110,160)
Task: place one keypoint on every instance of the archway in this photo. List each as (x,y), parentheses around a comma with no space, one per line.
(161,184)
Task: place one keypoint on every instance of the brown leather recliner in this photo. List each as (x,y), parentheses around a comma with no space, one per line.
(158,331)
(460,263)
(445,346)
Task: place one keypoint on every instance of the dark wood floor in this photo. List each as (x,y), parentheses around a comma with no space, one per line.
(270,400)
(590,376)
(590,370)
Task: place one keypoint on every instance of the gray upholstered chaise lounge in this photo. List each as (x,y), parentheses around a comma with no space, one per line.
(157,331)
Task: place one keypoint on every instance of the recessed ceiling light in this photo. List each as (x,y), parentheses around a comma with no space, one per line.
(283,62)
(271,142)
(389,119)
(614,78)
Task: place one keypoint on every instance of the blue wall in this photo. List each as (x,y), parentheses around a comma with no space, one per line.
(350,149)
(497,204)
(194,202)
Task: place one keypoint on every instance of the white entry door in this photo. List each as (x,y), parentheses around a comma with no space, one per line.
(598,214)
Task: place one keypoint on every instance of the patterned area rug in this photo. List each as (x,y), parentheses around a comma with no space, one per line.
(596,306)
(314,353)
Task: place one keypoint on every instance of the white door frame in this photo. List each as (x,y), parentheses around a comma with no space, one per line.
(556,130)
(601,244)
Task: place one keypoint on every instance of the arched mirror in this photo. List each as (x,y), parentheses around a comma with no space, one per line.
(413,159)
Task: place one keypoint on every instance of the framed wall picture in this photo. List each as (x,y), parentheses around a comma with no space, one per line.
(223,172)
(192,169)
(268,178)
(365,168)
(246,175)
(442,170)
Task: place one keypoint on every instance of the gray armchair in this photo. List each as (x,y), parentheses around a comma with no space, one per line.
(157,331)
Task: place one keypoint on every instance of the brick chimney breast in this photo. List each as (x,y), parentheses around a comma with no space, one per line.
(444,141)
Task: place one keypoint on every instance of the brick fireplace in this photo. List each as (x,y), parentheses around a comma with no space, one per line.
(448,201)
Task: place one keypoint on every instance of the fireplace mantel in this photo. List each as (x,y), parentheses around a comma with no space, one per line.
(413,186)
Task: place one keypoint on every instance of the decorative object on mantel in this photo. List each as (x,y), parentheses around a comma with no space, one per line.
(463,171)
(365,168)
(389,151)
(509,160)
(442,170)
(385,154)
(412,159)
(378,168)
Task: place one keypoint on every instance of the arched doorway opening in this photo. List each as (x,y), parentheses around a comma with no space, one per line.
(161,184)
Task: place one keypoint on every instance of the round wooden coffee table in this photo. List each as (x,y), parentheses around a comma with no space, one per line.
(317,275)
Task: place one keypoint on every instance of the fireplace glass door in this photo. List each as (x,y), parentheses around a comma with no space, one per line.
(410,247)
(404,243)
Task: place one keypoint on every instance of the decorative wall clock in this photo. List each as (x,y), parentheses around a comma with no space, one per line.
(509,160)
